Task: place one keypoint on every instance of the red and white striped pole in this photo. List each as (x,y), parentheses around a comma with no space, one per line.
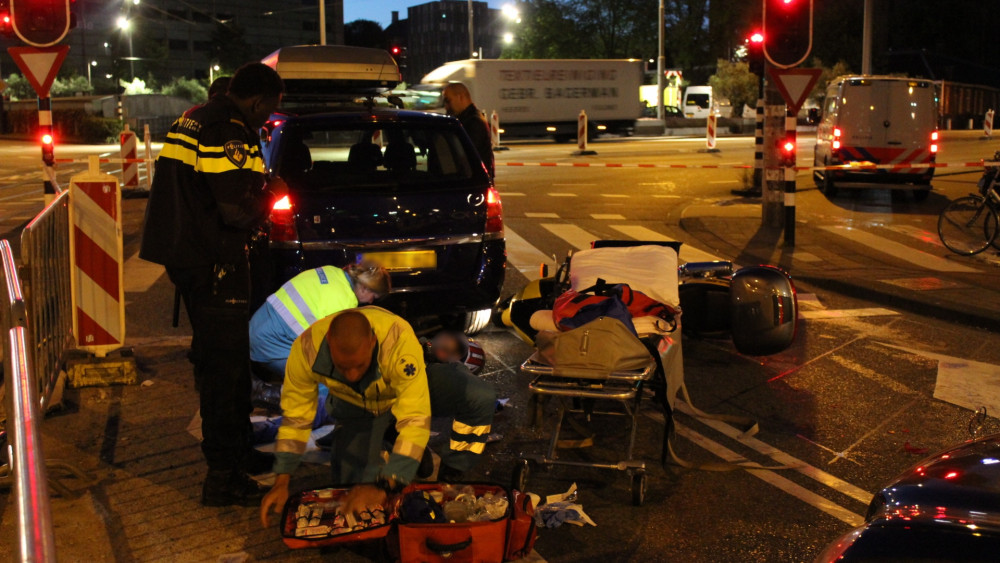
(495,132)
(377,138)
(988,124)
(130,170)
(150,165)
(96,253)
(581,135)
(48,149)
(710,133)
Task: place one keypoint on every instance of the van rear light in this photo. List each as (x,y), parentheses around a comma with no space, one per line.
(934,144)
(283,221)
(494,212)
(836,138)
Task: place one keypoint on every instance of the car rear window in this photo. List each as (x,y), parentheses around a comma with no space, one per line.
(329,157)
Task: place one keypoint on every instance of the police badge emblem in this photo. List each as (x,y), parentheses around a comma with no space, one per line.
(235,152)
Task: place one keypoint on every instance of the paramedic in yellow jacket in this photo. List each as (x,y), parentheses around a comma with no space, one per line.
(373,365)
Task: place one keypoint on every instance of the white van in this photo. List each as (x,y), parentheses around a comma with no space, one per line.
(698,102)
(877,120)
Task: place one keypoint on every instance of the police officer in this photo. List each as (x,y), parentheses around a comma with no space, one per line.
(373,364)
(458,103)
(207,198)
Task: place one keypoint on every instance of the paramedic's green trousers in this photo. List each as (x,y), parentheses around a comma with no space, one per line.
(356,451)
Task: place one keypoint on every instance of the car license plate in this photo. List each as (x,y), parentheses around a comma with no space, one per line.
(403,260)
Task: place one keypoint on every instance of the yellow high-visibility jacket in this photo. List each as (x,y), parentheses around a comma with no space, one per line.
(397,382)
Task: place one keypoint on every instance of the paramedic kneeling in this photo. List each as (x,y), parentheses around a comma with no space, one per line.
(373,365)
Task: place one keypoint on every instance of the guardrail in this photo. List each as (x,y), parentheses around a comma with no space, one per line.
(46,269)
(26,460)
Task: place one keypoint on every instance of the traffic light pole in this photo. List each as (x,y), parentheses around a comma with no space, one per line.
(789,170)
(48,150)
(773,188)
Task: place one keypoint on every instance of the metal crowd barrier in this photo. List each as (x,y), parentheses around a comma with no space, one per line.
(26,463)
(48,295)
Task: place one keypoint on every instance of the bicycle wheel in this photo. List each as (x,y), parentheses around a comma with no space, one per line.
(967,226)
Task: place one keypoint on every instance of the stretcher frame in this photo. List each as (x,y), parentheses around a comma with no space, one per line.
(624,387)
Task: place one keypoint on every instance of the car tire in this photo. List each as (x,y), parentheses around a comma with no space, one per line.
(476,321)
(826,185)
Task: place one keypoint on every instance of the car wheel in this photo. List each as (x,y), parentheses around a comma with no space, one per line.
(476,321)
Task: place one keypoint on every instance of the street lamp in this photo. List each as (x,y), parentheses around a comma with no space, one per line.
(125,26)
(211,73)
(508,38)
(89,81)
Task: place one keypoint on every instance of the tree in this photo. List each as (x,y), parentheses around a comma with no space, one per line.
(364,33)
(818,93)
(229,45)
(735,82)
(548,30)
(619,28)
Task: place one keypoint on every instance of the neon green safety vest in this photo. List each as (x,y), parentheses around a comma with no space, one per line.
(312,295)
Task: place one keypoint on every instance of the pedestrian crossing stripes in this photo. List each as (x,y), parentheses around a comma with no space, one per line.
(900,251)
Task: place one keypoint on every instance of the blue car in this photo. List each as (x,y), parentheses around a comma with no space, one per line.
(403,188)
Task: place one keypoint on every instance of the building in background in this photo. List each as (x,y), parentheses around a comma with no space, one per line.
(438,32)
(173,38)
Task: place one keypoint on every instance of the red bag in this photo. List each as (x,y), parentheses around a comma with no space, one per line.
(521,531)
(319,498)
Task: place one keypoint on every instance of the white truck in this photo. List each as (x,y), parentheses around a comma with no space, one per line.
(543,97)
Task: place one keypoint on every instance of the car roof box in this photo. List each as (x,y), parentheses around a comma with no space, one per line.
(316,70)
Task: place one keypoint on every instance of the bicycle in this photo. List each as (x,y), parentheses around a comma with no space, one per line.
(969,224)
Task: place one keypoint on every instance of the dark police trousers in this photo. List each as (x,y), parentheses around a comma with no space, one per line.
(220,350)
(356,451)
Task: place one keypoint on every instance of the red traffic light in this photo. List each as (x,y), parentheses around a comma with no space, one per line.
(787,31)
(40,23)
(756,38)
(47,139)
(788,147)
(395,50)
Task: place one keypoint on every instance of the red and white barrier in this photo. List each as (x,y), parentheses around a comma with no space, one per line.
(150,163)
(98,297)
(494,129)
(581,132)
(130,170)
(377,138)
(988,124)
(710,133)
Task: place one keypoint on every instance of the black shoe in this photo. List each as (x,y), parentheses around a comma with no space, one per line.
(257,462)
(265,395)
(228,487)
(426,468)
(448,474)
(325,441)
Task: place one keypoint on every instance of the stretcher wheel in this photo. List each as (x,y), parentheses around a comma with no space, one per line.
(638,488)
(522,471)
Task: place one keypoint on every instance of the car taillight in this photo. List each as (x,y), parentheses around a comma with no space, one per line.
(494,212)
(836,137)
(934,144)
(283,221)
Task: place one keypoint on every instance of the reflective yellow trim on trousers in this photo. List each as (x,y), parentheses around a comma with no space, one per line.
(460,428)
(408,449)
(290,446)
(474,447)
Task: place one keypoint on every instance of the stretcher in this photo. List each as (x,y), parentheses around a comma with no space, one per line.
(756,306)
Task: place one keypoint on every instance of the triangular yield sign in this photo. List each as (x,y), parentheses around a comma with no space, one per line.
(795,85)
(39,65)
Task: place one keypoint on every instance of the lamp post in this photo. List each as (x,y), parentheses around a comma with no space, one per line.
(89,81)
(125,26)
(211,73)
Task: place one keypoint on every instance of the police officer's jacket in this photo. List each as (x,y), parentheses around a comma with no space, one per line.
(301,301)
(396,382)
(208,193)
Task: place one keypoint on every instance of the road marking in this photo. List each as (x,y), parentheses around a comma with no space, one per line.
(723,181)
(782,458)
(608,216)
(963,382)
(523,256)
(667,196)
(670,185)
(573,185)
(916,232)
(901,251)
(687,253)
(540,215)
(140,275)
(512,194)
(616,195)
(846,313)
(560,194)
(579,238)
(775,480)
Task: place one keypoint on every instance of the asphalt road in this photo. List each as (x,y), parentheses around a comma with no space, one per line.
(862,394)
